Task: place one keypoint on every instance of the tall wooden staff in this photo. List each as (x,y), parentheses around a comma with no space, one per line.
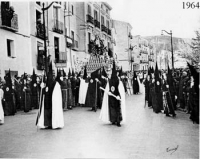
(40,104)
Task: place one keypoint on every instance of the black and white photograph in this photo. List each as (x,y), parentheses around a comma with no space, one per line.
(99,79)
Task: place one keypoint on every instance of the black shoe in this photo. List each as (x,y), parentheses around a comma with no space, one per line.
(113,123)
(118,124)
(174,115)
(167,115)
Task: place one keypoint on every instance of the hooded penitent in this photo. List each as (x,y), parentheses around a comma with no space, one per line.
(85,73)
(195,95)
(69,74)
(9,106)
(135,84)
(157,94)
(48,90)
(92,92)
(114,104)
(34,91)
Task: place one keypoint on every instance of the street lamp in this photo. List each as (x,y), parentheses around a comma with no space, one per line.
(45,46)
(171,47)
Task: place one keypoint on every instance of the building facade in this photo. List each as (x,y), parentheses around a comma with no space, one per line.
(15,44)
(123,48)
(66,28)
(93,22)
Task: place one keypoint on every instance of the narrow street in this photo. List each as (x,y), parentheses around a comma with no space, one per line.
(144,135)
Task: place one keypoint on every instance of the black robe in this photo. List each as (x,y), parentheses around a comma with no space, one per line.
(147,89)
(26,98)
(135,85)
(114,104)
(34,95)
(47,95)
(9,103)
(167,99)
(78,81)
(90,100)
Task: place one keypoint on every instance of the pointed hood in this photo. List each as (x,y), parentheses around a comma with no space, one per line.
(58,76)
(156,73)
(120,72)
(85,73)
(8,80)
(79,74)
(114,71)
(34,77)
(114,81)
(64,73)
(73,74)
(69,73)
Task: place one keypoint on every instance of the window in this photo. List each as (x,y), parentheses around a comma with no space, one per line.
(89,9)
(106,10)
(95,15)
(72,10)
(89,37)
(10,48)
(38,16)
(55,13)
(56,46)
(102,20)
(107,24)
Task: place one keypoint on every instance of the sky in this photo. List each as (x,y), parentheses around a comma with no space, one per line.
(149,17)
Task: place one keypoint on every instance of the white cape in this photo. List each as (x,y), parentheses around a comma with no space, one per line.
(104,114)
(141,86)
(40,123)
(82,91)
(57,110)
(1,107)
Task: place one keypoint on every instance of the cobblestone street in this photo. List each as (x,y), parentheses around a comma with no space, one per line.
(144,135)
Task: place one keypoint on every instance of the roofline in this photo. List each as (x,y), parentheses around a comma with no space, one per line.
(107,5)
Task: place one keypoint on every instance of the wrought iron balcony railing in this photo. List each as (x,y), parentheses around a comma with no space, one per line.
(9,20)
(104,29)
(97,23)
(61,57)
(40,30)
(109,32)
(90,19)
(57,26)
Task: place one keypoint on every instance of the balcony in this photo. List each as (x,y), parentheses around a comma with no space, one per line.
(57,26)
(143,52)
(61,57)
(97,23)
(40,31)
(104,29)
(9,20)
(143,61)
(90,19)
(109,32)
